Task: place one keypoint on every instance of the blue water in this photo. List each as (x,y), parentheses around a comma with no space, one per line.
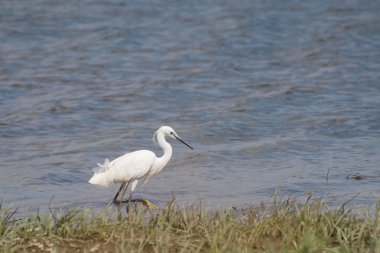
(273,96)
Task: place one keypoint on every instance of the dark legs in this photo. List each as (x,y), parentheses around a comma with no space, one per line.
(118,200)
(115,201)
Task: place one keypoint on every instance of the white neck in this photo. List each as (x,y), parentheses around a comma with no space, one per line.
(164,159)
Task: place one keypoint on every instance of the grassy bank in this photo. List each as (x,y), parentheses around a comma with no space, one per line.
(311,227)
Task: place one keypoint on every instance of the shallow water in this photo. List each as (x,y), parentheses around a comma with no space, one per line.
(272,95)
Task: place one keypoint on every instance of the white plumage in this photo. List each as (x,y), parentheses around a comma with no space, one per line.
(132,165)
(141,164)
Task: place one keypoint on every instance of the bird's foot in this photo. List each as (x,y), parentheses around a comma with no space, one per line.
(149,204)
(145,202)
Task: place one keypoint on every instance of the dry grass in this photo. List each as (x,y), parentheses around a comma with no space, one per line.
(312,227)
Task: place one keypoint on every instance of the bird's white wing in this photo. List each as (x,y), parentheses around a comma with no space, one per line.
(132,165)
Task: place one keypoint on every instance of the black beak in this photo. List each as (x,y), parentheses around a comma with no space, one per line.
(179,139)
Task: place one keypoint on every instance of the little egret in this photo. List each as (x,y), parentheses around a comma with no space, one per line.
(131,167)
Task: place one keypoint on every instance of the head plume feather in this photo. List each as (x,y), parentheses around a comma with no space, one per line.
(155,141)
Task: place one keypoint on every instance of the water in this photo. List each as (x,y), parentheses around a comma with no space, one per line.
(271,94)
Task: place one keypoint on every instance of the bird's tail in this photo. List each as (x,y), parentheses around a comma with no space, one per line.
(101,174)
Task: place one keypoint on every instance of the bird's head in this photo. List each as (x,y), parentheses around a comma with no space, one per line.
(168,131)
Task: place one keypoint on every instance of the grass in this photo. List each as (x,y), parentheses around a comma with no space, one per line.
(284,227)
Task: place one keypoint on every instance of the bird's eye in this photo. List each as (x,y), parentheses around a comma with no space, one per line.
(171,133)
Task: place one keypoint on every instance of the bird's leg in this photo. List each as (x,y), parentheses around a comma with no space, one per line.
(124,190)
(118,199)
(115,199)
(129,201)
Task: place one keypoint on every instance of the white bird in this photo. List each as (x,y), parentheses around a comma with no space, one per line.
(131,167)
